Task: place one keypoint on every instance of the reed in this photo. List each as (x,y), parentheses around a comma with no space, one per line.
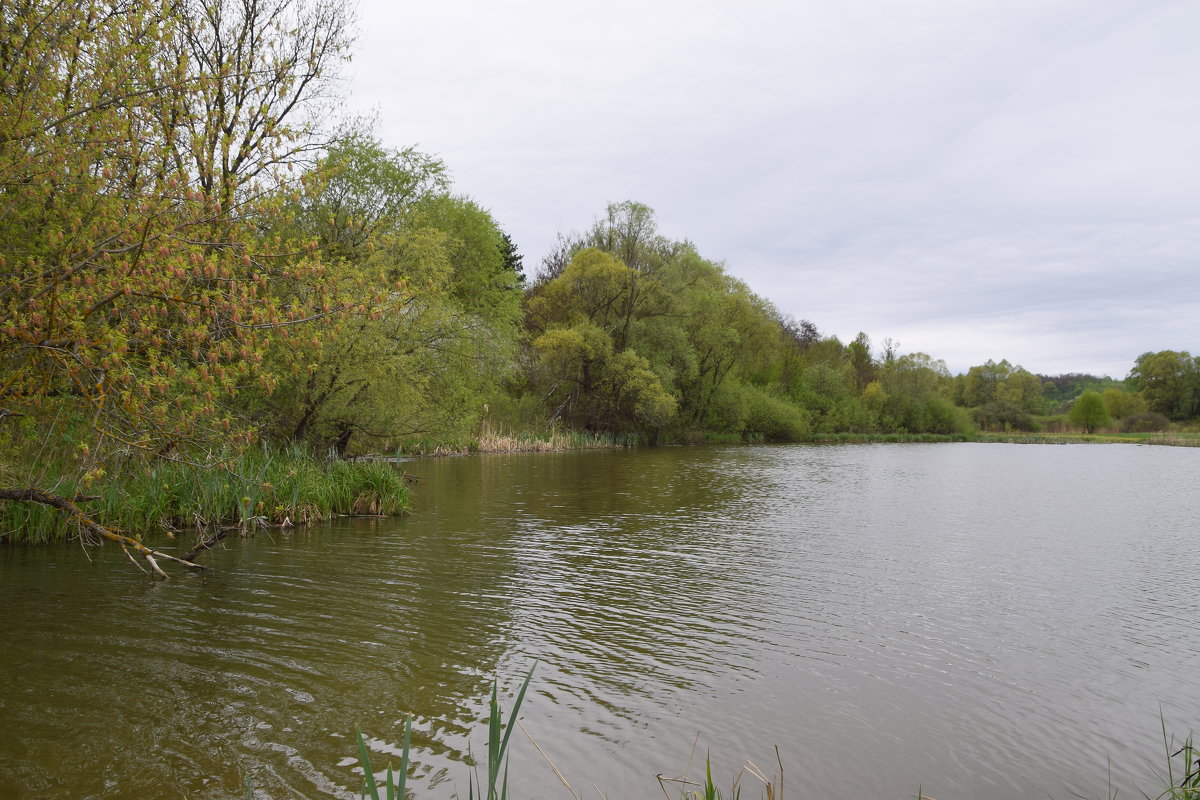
(553,441)
(499,734)
(772,787)
(1184,784)
(263,486)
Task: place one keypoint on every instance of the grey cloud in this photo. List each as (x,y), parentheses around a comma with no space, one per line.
(981,179)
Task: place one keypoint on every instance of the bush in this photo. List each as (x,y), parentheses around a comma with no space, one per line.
(1149,422)
(1003,417)
(773,419)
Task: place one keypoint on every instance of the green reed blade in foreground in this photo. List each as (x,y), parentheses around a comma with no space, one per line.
(497,744)
(497,752)
(368,773)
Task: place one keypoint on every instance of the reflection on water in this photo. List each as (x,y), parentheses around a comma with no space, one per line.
(984,621)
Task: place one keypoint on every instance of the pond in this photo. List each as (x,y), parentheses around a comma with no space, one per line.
(979,621)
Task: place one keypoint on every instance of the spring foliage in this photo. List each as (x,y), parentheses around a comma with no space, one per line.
(192,259)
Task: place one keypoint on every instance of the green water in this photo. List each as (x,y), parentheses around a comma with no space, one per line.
(984,621)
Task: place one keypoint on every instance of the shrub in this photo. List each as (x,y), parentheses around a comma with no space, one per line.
(1149,422)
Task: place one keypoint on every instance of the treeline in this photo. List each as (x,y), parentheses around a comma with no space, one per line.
(194,261)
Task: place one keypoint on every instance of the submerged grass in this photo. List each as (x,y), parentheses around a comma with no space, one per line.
(259,487)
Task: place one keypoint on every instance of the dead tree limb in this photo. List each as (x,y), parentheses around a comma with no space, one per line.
(91,528)
(205,544)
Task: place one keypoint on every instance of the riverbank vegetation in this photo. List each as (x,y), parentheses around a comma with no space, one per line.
(197,262)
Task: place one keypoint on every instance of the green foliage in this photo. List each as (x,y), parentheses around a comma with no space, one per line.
(756,415)
(983,383)
(134,202)
(482,281)
(1089,412)
(773,419)
(861,365)
(422,359)
(360,192)
(1003,417)
(1121,404)
(1060,391)
(260,486)
(1170,382)
(1021,390)
(1146,422)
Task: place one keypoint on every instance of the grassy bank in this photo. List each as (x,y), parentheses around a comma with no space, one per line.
(1176,439)
(853,438)
(260,487)
(560,441)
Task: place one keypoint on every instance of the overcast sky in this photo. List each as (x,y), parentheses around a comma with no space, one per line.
(1014,179)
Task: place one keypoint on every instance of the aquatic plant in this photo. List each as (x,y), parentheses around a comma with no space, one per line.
(261,486)
(1186,784)
(772,787)
(499,734)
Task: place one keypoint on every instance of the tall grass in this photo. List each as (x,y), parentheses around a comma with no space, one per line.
(553,441)
(1184,785)
(848,438)
(772,787)
(262,486)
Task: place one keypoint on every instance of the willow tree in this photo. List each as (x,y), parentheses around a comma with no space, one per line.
(422,357)
(1089,412)
(139,144)
(584,373)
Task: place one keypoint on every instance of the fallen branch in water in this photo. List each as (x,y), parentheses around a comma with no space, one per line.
(204,544)
(91,528)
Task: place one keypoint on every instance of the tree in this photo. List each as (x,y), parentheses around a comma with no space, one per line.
(861,365)
(254,67)
(445,315)
(586,376)
(1170,382)
(1121,404)
(983,382)
(1089,412)
(359,192)
(729,331)
(513,260)
(134,168)
(629,233)
(1023,390)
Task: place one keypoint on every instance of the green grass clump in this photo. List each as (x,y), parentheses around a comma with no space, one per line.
(262,486)
(1184,784)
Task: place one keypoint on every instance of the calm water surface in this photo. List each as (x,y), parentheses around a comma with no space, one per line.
(981,621)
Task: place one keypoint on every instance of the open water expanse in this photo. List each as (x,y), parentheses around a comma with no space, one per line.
(982,621)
